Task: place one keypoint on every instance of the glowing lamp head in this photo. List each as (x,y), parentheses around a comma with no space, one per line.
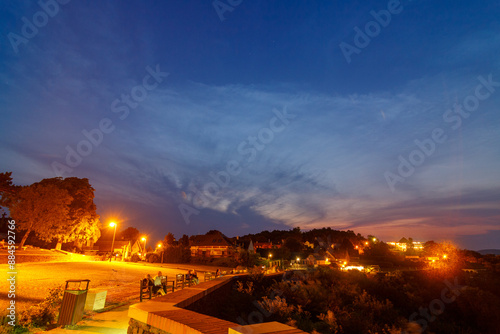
(112,224)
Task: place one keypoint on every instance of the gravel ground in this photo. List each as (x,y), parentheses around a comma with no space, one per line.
(121,280)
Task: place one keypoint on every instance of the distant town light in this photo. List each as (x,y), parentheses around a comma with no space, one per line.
(360,268)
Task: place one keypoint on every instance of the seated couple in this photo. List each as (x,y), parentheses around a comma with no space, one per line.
(158,283)
(191,275)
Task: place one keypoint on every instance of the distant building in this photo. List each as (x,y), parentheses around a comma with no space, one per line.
(403,245)
(212,245)
(320,260)
(123,247)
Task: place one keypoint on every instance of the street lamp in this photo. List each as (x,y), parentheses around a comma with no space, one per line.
(160,246)
(144,239)
(112,224)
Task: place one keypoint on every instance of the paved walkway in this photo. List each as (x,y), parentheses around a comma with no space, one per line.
(110,322)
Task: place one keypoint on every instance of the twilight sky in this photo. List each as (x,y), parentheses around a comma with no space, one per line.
(381,117)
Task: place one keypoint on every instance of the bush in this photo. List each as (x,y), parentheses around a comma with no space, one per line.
(43,314)
(135,258)
(153,258)
(225,262)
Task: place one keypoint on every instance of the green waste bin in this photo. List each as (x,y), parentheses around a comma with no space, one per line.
(73,303)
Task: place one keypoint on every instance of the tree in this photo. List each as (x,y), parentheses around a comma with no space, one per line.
(7,189)
(169,239)
(184,241)
(43,209)
(213,232)
(82,224)
(246,258)
(130,234)
(292,244)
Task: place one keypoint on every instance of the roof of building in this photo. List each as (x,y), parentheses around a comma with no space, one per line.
(215,239)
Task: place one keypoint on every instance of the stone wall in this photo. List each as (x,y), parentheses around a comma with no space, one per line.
(137,327)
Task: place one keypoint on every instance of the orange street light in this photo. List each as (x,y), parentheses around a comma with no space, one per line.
(160,246)
(112,224)
(144,239)
(445,256)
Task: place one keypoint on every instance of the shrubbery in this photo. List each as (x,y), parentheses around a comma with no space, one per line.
(41,315)
(330,301)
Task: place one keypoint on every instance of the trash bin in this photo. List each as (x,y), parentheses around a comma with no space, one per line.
(73,303)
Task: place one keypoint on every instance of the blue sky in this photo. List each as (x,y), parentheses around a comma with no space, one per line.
(397,138)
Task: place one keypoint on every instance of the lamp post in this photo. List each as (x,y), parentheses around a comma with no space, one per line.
(112,224)
(160,246)
(144,239)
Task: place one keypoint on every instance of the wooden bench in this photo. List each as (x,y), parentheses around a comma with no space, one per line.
(168,284)
(146,291)
(179,281)
(190,281)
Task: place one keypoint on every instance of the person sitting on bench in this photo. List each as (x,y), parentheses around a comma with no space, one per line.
(194,277)
(158,283)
